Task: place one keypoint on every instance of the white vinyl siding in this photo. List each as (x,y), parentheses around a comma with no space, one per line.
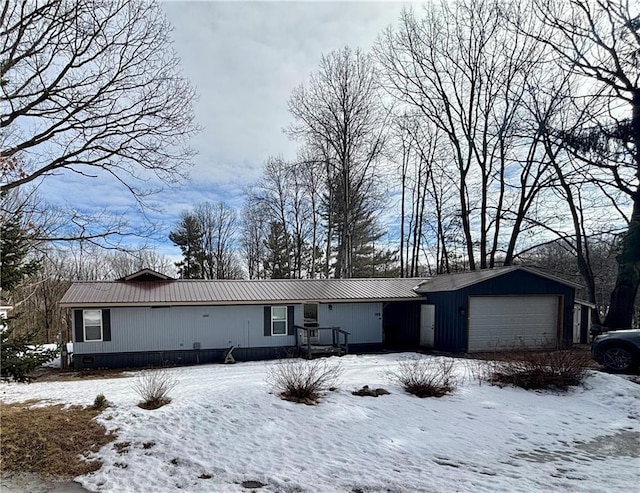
(512,322)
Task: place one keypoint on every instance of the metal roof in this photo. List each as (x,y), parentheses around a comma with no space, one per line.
(453,282)
(146,275)
(225,292)
(211,292)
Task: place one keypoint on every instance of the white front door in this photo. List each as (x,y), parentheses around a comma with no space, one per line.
(427,325)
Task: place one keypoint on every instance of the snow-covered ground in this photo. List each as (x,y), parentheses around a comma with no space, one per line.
(224,423)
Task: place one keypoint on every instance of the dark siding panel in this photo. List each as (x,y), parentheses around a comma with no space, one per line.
(452,308)
(401,324)
(290,321)
(523,283)
(267,321)
(450,322)
(369,347)
(178,358)
(106,325)
(79,325)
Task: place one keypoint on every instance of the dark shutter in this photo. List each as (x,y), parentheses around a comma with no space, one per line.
(106,325)
(290,330)
(79,325)
(267,321)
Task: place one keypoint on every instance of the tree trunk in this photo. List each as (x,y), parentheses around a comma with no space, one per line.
(621,307)
(623,297)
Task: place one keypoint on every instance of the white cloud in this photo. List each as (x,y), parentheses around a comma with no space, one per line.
(244,58)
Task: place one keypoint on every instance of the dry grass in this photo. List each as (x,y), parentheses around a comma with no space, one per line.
(58,375)
(50,440)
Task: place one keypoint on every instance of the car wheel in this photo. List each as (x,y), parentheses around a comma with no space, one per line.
(618,359)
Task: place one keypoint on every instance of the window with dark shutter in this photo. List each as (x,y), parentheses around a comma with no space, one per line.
(78,326)
(106,325)
(92,320)
(278,321)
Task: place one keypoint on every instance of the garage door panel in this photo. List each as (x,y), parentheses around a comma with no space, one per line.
(512,322)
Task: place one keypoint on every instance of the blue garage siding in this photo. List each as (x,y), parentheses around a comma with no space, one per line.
(452,309)
(401,324)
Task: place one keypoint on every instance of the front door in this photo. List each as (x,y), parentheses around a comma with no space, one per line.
(310,313)
(427,325)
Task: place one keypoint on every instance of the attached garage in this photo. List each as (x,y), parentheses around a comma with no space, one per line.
(512,322)
(501,309)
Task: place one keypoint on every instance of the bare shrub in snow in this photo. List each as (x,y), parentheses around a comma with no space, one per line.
(154,387)
(554,370)
(425,377)
(303,381)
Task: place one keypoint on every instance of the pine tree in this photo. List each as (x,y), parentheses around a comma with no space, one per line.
(188,236)
(18,355)
(277,263)
(15,262)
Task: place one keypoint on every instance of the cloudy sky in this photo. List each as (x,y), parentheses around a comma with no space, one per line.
(244,58)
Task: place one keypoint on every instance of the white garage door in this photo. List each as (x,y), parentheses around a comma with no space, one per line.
(512,322)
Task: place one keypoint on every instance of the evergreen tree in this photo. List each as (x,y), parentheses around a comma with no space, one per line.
(18,355)
(277,263)
(14,244)
(188,236)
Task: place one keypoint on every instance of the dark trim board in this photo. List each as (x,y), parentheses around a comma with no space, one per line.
(192,357)
(177,358)
(369,347)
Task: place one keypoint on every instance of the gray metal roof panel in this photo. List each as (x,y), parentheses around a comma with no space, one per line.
(453,282)
(227,291)
(190,292)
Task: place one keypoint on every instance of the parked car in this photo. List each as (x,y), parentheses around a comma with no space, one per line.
(617,350)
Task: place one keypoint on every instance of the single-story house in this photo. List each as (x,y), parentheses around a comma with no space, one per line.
(150,319)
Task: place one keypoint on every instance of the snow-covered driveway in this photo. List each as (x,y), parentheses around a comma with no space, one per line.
(223,427)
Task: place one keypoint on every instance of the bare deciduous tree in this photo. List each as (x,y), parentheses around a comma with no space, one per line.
(464,72)
(600,43)
(339,112)
(91,87)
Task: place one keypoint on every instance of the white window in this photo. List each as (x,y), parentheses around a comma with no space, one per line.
(92,321)
(278,320)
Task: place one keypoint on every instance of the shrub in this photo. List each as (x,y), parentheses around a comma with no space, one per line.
(154,387)
(303,381)
(554,370)
(19,356)
(425,377)
(100,402)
